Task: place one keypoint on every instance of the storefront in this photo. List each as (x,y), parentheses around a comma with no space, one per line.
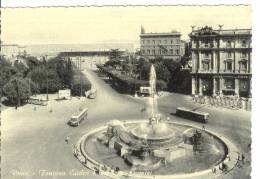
(228,86)
(244,88)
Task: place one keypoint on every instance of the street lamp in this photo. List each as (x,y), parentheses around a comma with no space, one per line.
(47,72)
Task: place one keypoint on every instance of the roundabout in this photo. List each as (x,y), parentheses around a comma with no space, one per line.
(173,159)
(155,148)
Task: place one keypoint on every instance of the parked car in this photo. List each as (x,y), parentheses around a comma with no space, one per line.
(76,119)
(93,93)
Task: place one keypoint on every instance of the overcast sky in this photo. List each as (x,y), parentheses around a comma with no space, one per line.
(112,24)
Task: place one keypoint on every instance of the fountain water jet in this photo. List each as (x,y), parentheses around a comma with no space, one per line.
(155,130)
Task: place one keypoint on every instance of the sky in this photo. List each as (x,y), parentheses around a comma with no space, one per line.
(81,25)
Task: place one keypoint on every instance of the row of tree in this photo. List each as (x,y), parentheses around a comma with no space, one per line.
(169,71)
(30,76)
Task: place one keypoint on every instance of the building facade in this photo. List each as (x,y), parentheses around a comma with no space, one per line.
(165,45)
(221,61)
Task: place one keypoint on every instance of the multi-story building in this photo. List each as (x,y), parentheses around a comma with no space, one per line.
(221,61)
(165,45)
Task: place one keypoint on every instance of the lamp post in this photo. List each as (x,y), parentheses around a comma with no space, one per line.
(47,72)
(18,94)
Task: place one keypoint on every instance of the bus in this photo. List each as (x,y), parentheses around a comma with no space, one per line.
(76,119)
(198,116)
(93,93)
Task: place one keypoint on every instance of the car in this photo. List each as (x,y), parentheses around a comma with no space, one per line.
(77,118)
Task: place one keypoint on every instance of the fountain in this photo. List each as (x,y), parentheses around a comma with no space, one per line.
(154,131)
(154,145)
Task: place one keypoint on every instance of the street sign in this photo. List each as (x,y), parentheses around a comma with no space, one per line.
(64,94)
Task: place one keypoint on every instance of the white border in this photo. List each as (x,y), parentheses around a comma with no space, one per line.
(255,44)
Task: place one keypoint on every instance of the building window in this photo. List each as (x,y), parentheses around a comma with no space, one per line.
(177,52)
(143,41)
(206,55)
(159,41)
(229,44)
(148,41)
(153,51)
(229,55)
(165,41)
(171,41)
(229,66)
(243,55)
(206,43)
(171,51)
(153,41)
(243,65)
(143,51)
(243,43)
(229,84)
(205,65)
(148,51)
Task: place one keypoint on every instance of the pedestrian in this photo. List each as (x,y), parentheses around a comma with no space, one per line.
(238,156)
(228,157)
(203,127)
(243,158)
(67,139)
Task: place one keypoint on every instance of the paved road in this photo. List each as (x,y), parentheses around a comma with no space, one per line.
(33,141)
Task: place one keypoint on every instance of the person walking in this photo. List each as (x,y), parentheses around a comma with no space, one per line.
(67,139)
(243,158)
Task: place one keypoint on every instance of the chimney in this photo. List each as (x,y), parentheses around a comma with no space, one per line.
(142,30)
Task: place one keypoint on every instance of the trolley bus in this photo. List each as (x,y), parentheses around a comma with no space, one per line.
(76,119)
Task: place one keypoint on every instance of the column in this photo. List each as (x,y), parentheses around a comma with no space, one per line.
(214,61)
(250,87)
(221,84)
(236,86)
(200,86)
(214,86)
(199,61)
(193,86)
(194,60)
(249,63)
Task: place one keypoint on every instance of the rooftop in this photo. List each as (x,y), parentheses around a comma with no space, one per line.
(150,34)
(223,32)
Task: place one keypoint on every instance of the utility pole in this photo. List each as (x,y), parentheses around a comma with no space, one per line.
(47,71)
(80,75)
(29,83)
(18,94)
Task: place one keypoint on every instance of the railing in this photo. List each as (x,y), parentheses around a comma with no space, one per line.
(225,102)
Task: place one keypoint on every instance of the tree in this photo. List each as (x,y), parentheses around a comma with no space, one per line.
(69,74)
(162,72)
(40,76)
(20,68)
(6,72)
(32,62)
(16,90)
